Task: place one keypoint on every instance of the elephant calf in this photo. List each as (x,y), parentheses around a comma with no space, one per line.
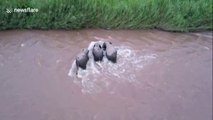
(97,52)
(82,59)
(111,52)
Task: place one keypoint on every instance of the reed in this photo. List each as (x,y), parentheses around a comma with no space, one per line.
(172,15)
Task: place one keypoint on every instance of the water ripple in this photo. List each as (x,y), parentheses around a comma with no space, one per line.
(98,76)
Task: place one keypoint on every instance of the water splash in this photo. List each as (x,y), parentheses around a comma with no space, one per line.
(99,75)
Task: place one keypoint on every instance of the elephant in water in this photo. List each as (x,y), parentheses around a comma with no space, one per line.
(110,51)
(100,49)
(85,58)
(94,53)
(82,59)
(80,62)
(97,52)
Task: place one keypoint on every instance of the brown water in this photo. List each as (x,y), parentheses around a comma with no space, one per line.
(159,76)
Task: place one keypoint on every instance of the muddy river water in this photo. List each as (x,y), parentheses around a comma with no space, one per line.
(159,76)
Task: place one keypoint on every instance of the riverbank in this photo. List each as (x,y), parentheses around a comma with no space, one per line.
(171,15)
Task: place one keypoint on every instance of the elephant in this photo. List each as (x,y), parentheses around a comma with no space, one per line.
(82,59)
(110,51)
(97,52)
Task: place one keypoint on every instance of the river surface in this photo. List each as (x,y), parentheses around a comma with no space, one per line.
(159,76)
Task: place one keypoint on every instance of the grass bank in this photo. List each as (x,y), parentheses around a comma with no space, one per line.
(174,15)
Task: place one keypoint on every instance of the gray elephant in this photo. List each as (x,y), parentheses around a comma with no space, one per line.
(80,62)
(82,59)
(110,51)
(97,52)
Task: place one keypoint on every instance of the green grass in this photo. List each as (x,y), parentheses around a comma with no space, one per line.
(173,15)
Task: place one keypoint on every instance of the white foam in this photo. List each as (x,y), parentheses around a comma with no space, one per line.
(73,70)
(128,62)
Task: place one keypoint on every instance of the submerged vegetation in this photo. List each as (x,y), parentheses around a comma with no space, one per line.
(174,15)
